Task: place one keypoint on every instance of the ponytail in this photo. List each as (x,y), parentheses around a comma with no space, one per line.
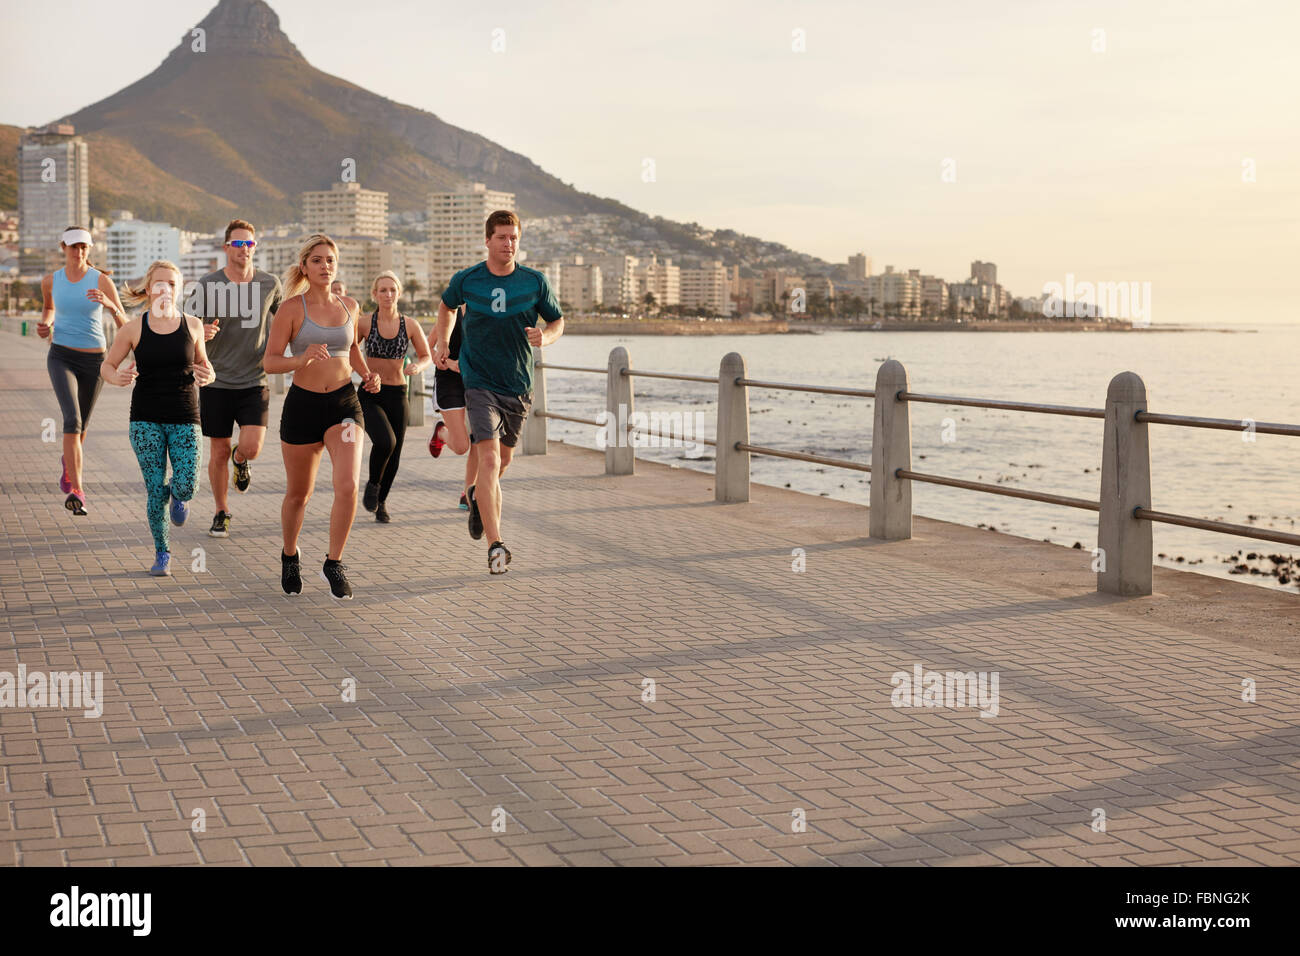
(294,281)
(134,294)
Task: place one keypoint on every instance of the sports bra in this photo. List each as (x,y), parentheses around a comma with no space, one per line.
(379,347)
(337,337)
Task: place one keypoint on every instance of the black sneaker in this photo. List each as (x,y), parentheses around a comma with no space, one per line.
(370,500)
(335,575)
(498,558)
(243,473)
(475,519)
(290,574)
(381,514)
(220,525)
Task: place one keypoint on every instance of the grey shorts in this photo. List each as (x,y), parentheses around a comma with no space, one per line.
(491,415)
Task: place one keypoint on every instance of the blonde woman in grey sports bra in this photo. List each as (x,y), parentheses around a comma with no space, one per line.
(321,411)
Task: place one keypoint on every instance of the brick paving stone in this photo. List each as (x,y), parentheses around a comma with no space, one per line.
(773,689)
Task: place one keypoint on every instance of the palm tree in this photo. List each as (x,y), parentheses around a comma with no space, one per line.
(413,287)
(649,300)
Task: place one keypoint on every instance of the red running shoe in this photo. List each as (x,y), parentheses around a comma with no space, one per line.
(436,442)
(65,483)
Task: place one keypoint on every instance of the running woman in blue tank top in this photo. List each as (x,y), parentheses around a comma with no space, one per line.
(74,299)
(170,364)
(321,410)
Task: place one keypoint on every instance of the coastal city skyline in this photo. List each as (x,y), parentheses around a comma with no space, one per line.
(1175,206)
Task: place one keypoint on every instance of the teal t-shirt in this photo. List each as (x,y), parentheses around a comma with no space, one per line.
(494,349)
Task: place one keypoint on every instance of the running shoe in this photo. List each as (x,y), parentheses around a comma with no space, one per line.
(370,500)
(436,442)
(75,502)
(180,511)
(464,505)
(65,483)
(162,565)
(498,558)
(475,520)
(290,574)
(243,473)
(334,573)
(381,514)
(220,525)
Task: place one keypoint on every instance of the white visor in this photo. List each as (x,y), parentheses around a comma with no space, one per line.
(73,236)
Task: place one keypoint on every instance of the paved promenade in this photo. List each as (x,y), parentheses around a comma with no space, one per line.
(510,720)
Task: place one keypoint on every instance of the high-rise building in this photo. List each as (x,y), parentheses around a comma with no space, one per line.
(661,279)
(345,209)
(617,278)
(133,244)
(985,273)
(934,296)
(708,288)
(581,285)
(859,267)
(53,192)
(897,293)
(456,221)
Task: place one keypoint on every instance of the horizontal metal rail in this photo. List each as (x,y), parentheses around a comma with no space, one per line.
(1205,524)
(570,418)
(573,368)
(822,389)
(1050,499)
(672,375)
(1009,406)
(1226,424)
(800,456)
(685,441)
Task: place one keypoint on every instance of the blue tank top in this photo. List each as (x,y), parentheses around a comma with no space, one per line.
(78,321)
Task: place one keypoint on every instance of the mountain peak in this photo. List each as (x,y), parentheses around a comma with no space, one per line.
(240,27)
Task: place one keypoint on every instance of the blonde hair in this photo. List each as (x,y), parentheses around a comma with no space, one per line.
(387,274)
(295,278)
(136,294)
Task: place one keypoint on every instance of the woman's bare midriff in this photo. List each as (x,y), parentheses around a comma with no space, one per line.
(327,376)
(390,370)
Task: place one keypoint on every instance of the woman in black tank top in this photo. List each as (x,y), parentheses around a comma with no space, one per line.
(388,335)
(170,365)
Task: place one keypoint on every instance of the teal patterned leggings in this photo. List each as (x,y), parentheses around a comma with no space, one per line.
(153,443)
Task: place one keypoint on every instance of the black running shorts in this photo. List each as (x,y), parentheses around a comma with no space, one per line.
(448,389)
(220,409)
(307,416)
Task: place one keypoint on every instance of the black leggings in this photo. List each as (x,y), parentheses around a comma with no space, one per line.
(386,417)
(76,381)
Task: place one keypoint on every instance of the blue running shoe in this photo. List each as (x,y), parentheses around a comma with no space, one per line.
(162,565)
(180,511)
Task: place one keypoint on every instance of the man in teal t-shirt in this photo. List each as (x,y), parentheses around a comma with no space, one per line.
(503,301)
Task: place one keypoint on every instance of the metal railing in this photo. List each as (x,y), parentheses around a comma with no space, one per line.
(1123,557)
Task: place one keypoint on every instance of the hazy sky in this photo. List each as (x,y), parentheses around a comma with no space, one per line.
(1120,165)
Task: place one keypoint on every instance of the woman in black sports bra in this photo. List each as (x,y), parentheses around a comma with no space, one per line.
(387,335)
(321,410)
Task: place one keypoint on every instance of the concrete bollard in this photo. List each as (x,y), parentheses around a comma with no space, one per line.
(1124,541)
(620,456)
(890,516)
(731,468)
(415,399)
(534,438)
(277,383)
